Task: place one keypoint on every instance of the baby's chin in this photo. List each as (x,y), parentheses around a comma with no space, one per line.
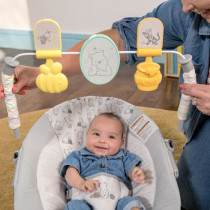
(104,153)
(101,151)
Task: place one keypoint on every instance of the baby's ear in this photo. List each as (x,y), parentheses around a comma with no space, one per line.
(122,144)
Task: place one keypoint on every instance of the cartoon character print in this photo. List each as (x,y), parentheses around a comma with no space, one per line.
(108,107)
(45,37)
(81,123)
(56,110)
(69,121)
(102,192)
(116,109)
(151,39)
(67,151)
(101,105)
(90,115)
(120,102)
(58,126)
(67,139)
(129,109)
(67,109)
(79,137)
(90,102)
(78,106)
(99,100)
(100,111)
(99,64)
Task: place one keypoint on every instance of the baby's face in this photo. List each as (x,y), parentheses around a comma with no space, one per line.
(198,6)
(104,136)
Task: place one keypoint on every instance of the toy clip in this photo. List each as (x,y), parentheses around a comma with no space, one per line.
(189,76)
(10,99)
(47,39)
(149,43)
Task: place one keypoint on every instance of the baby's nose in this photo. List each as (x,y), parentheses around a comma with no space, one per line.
(102,139)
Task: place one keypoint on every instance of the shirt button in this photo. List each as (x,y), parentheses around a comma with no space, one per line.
(102,165)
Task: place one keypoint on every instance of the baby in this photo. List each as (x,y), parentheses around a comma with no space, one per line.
(99,175)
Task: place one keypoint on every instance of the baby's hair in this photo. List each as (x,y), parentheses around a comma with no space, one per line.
(110,115)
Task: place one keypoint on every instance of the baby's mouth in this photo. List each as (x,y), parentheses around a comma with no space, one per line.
(100,148)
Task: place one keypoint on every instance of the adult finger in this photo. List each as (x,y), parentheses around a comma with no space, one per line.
(1,92)
(21,91)
(196,90)
(18,87)
(1,95)
(195,87)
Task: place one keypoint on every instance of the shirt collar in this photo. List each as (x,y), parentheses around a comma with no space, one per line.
(85,152)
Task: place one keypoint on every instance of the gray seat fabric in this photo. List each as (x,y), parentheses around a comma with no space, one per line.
(25,181)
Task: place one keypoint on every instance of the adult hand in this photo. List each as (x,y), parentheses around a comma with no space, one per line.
(199,93)
(24,79)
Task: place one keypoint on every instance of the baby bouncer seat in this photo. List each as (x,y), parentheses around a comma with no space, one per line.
(37,182)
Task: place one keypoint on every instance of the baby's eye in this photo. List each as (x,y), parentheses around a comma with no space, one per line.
(96,134)
(111,137)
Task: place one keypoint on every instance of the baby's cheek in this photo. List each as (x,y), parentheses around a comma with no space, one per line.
(113,148)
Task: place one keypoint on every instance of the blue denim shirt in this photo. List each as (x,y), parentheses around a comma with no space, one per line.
(190,30)
(87,164)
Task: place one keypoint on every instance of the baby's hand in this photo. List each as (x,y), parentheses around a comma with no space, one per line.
(89,185)
(137,175)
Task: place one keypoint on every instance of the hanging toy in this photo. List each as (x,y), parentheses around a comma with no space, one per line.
(149,43)
(99,59)
(10,99)
(47,39)
(189,76)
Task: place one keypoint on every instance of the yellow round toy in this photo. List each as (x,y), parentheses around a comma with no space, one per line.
(148,76)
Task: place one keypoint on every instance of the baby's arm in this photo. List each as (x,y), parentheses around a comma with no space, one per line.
(76,181)
(137,175)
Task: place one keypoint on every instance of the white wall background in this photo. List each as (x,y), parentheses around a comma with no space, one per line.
(73,16)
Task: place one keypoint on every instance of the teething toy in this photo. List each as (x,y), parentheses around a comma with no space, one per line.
(185,101)
(149,43)
(10,99)
(47,39)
